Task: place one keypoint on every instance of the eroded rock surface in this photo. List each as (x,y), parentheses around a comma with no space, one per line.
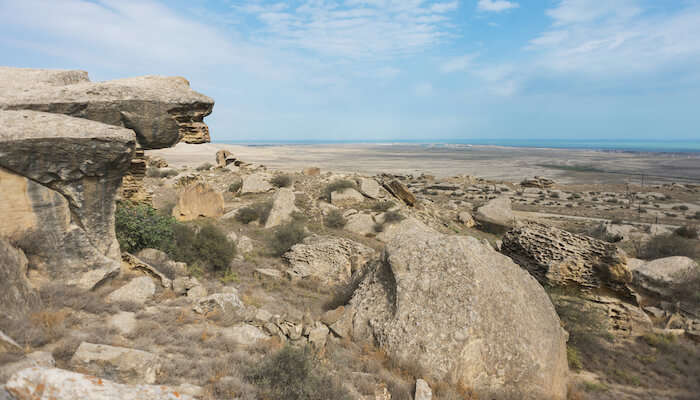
(496,215)
(17,297)
(118,363)
(199,200)
(464,313)
(58,180)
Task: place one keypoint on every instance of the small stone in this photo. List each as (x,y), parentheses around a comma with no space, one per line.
(197,292)
(124,322)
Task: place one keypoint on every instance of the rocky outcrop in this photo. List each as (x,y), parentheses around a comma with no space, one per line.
(224,158)
(332,260)
(662,275)
(496,215)
(537,182)
(256,183)
(58,384)
(464,313)
(282,208)
(17,296)
(138,291)
(118,363)
(370,188)
(199,200)
(400,191)
(58,180)
(162,111)
(560,258)
(346,197)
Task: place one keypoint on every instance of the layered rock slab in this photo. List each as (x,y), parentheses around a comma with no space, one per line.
(58,180)
(465,314)
(17,296)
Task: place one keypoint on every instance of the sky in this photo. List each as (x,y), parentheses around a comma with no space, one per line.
(390,69)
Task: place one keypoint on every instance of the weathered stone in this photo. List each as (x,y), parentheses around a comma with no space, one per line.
(360,223)
(182,284)
(423,391)
(311,171)
(133,263)
(661,275)
(318,335)
(224,158)
(466,219)
(160,110)
(124,321)
(60,201)
(282,208)
(35,359)
(496,215)
(560,258)
(255,183)
(245,245)
(7,344)
(332,260)
(17,296)
(267,273)
(162,262)
(401,192)
(220,301)
(199,200)
(138,291)
(244,334)
(57,384)
(346,197)
(197,292)
(156,162)
(464,313)
(407,225)
(537,182)
(96,277)
(370,188)
(118,363)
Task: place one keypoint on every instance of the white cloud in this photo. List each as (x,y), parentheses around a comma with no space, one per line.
(355,29)
(496,5)
(578,11)
(457,63)
(423,89)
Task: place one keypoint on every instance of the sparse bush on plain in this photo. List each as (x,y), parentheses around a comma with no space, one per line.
(295,374)
(281,181)
(335,219)
(668,245)
(286,236)
(258,211)
(153,172)
(391,217)
(235,187)
(209,247)
(205,167)
(383,206)
(338,185)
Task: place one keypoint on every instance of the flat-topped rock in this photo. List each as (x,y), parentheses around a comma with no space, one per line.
(59,177)
(161,110)
(496,215)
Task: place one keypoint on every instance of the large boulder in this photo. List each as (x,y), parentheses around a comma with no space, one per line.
(560,258)
(660,276)
(58,180)
(256,183)
(496,215)
(199,200)
(462,312)
(17,296)
(401,192)
(160,110)
(370,188)
(138,291)
(118,363)
(330,259)
(282,208)
(57,384)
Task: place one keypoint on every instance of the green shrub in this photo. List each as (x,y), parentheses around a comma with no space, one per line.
(383,206)
(668,245)
(153,172)
(140,226)
(295,374)
(235,187)
(258,211)
(338,185)
(391,217)
(209,247)
(281,181)
(335,219)
(285,237)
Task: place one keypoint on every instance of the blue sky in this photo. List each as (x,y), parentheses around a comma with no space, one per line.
(390,69)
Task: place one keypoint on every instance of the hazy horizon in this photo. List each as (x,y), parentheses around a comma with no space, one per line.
(385,70)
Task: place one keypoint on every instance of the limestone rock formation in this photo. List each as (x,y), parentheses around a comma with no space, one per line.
(58,180)
(160,110)
(57,384)
(224,158)
(537,182)
(138,290)
(35,359)
(346,197)
(256,183)
(199,200)
(119,363)
(360,223)
(466,219)
(496,215)
(560,258)
(282,208)
(370,188)
(660,275)
(330,259)
(401,192)
(17,296)
(463,313)
(404,227)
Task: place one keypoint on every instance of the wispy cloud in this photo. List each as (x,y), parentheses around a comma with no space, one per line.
(457,64)
(496,5)
(354,29)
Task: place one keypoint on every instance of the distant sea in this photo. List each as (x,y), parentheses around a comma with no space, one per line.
(605,145)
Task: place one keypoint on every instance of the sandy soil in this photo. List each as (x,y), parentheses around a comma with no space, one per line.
(491,162)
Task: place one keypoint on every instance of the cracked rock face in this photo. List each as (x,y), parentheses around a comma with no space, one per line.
(58,180)
(162,111)
(560,258)
(465,314)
